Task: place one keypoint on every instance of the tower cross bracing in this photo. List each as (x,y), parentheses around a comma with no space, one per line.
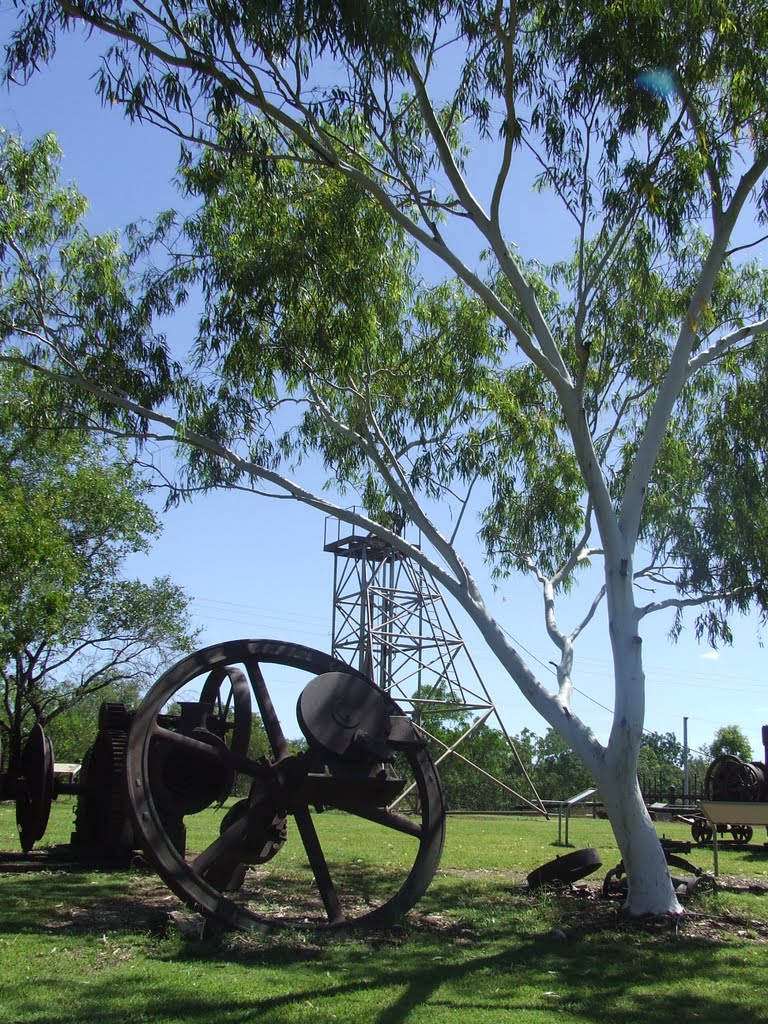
(390,620)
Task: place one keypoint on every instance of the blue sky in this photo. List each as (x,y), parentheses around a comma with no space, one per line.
(257,568)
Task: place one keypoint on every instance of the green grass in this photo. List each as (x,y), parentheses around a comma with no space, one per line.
(81,947)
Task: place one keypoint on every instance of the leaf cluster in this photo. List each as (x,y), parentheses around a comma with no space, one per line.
(70,515)
(311,297)
(666,97)
(69,519)
(70,299)
(730,739)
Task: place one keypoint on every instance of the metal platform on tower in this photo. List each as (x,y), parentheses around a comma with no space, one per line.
(391,622)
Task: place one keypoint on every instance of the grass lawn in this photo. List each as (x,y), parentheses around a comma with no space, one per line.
(79,947)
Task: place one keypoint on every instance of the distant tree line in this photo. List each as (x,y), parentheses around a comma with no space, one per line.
(554,770)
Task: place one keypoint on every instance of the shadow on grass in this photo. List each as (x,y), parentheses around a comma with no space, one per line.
(82,903)
(106,900)
(754,854)
(469,953)
(397,989)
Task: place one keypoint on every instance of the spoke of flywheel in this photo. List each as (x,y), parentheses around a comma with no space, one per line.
(319,866)
(228,706)
(226,843)
(381,816)
(183,742)
(214,681)
(269,717)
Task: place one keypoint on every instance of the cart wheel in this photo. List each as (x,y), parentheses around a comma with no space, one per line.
(702,883)
(742,834)
(701,830)
(566,870)
(364,861)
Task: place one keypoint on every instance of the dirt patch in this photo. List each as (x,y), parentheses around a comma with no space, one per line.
(583,910)
(146,905)
(144,908)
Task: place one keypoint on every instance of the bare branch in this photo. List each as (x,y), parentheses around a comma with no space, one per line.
(506,38)
(748,245)
(693,602)
(462,510)
(725,343)
(595,604)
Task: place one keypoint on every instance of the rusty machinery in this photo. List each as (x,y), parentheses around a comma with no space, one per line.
(728,778)
(103,830)
(152,771)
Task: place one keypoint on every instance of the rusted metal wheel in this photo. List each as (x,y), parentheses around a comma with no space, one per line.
(742,834)
(566,870)
(701,830)
(34,788)
(271,847)
(228,692)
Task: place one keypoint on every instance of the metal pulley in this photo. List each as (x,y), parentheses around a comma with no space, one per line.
(347,717)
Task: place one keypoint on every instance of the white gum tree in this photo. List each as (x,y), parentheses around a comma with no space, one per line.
(610,409)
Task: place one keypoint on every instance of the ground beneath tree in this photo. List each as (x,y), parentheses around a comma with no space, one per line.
(573,912)
(579,911)
(584,910)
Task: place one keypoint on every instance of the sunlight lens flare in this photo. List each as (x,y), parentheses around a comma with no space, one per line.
(659,81)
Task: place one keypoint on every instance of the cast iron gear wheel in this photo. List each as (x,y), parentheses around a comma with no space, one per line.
(566,870)
(366,880)
(102,823)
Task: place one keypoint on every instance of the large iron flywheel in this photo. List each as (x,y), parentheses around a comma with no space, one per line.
(318,840)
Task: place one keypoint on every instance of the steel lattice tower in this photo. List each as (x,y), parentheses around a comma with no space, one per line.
(390,620)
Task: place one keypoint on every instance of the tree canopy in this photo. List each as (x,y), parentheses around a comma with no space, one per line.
(71,624)
(730,739)
(607,409)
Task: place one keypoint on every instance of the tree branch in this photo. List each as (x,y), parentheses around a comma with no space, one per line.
(693,602)
(678,373)
(506,40)
(709,355)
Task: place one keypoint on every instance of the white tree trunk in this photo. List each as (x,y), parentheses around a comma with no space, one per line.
(615,765)
(650,889)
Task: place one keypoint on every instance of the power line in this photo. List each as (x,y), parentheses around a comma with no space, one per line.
(256,610)
(252,616)
(550,669)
